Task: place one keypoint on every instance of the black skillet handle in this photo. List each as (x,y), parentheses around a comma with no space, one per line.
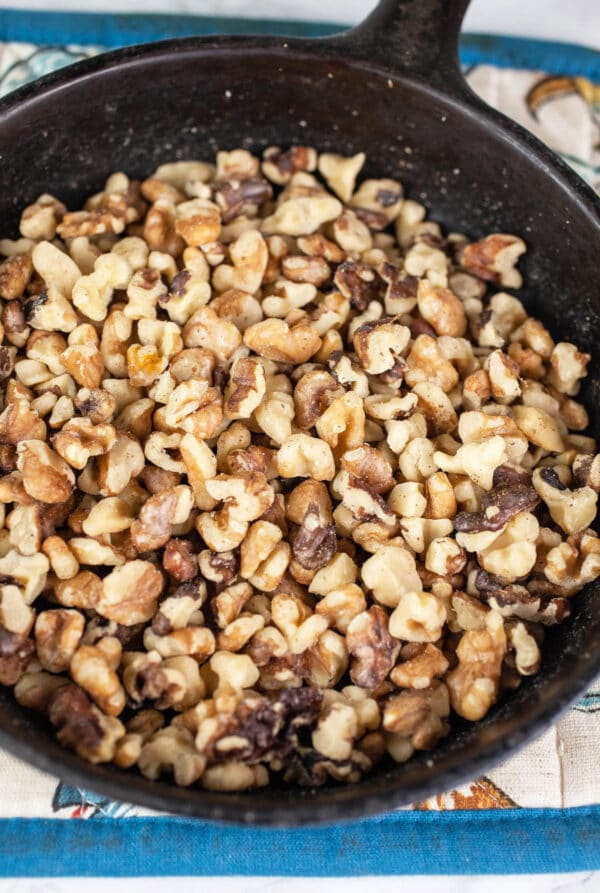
(413,37)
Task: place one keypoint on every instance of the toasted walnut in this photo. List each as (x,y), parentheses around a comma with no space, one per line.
(473,685)
(510,554)
(288,296)
(340,173)
(153,527)
(441,499)
(441,309)
(195,407)
(15,273)
(419,666)
(477,460)
(568,366)
(373,647)
(16,651)
(61,558)
(82,726)
(130,592)
(117,467)
(200,464)
(39,220)
(574,563)
(362,502)
(342,425)
(92,294)
(291,341)
(418,617)
(527,652)
(57,635)
(110,515)
(159,228)
(382,196)
(246,388)
(79,439)
(15,614)
(416,459)
(81,591)
(390,573)
(498,506)
(249,256)
(313,393)
(93,669)
(494,259)
(198,221)
(304,456)
(573,510)
(302,215)
(371,465)
(426,362)
(46,476)
(540,427)
(416,718)
(93,552)
(341,606)
(279,166)
(206,330)
(445,557)
(171,750)
(407,499)
(295,620)
(379,345)
(361,285)
(336,731)
(20,422)
(244,499)
(351,233)
(314,542)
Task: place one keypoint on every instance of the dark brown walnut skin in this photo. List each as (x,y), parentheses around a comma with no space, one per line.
(550,477)
(71,712)
(16,651)
(272,728)
(297,158)
(536,598)
(314,542)
(236,197)
(373,648)
(360,283)
(179,560)
(497,508)
(507,474)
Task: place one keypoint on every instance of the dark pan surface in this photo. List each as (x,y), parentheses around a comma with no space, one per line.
(390,88)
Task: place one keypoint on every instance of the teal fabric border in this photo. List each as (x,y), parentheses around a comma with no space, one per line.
(519,841)
(116,30)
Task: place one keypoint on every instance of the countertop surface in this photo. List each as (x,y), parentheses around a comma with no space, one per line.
(539,883)
(577,21)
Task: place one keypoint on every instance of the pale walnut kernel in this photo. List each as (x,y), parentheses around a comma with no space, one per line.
(130,592)
(46,476)
(93,668)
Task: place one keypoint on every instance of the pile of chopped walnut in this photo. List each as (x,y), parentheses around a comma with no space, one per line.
(288,476)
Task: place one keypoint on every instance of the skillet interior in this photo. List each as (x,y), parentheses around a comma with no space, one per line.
(139,107)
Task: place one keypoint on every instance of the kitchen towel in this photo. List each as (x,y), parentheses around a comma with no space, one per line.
(538,811)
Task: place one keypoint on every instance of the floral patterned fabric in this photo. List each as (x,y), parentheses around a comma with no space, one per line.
(558,770)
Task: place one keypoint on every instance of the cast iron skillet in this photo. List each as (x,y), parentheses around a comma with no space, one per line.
(392,87)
